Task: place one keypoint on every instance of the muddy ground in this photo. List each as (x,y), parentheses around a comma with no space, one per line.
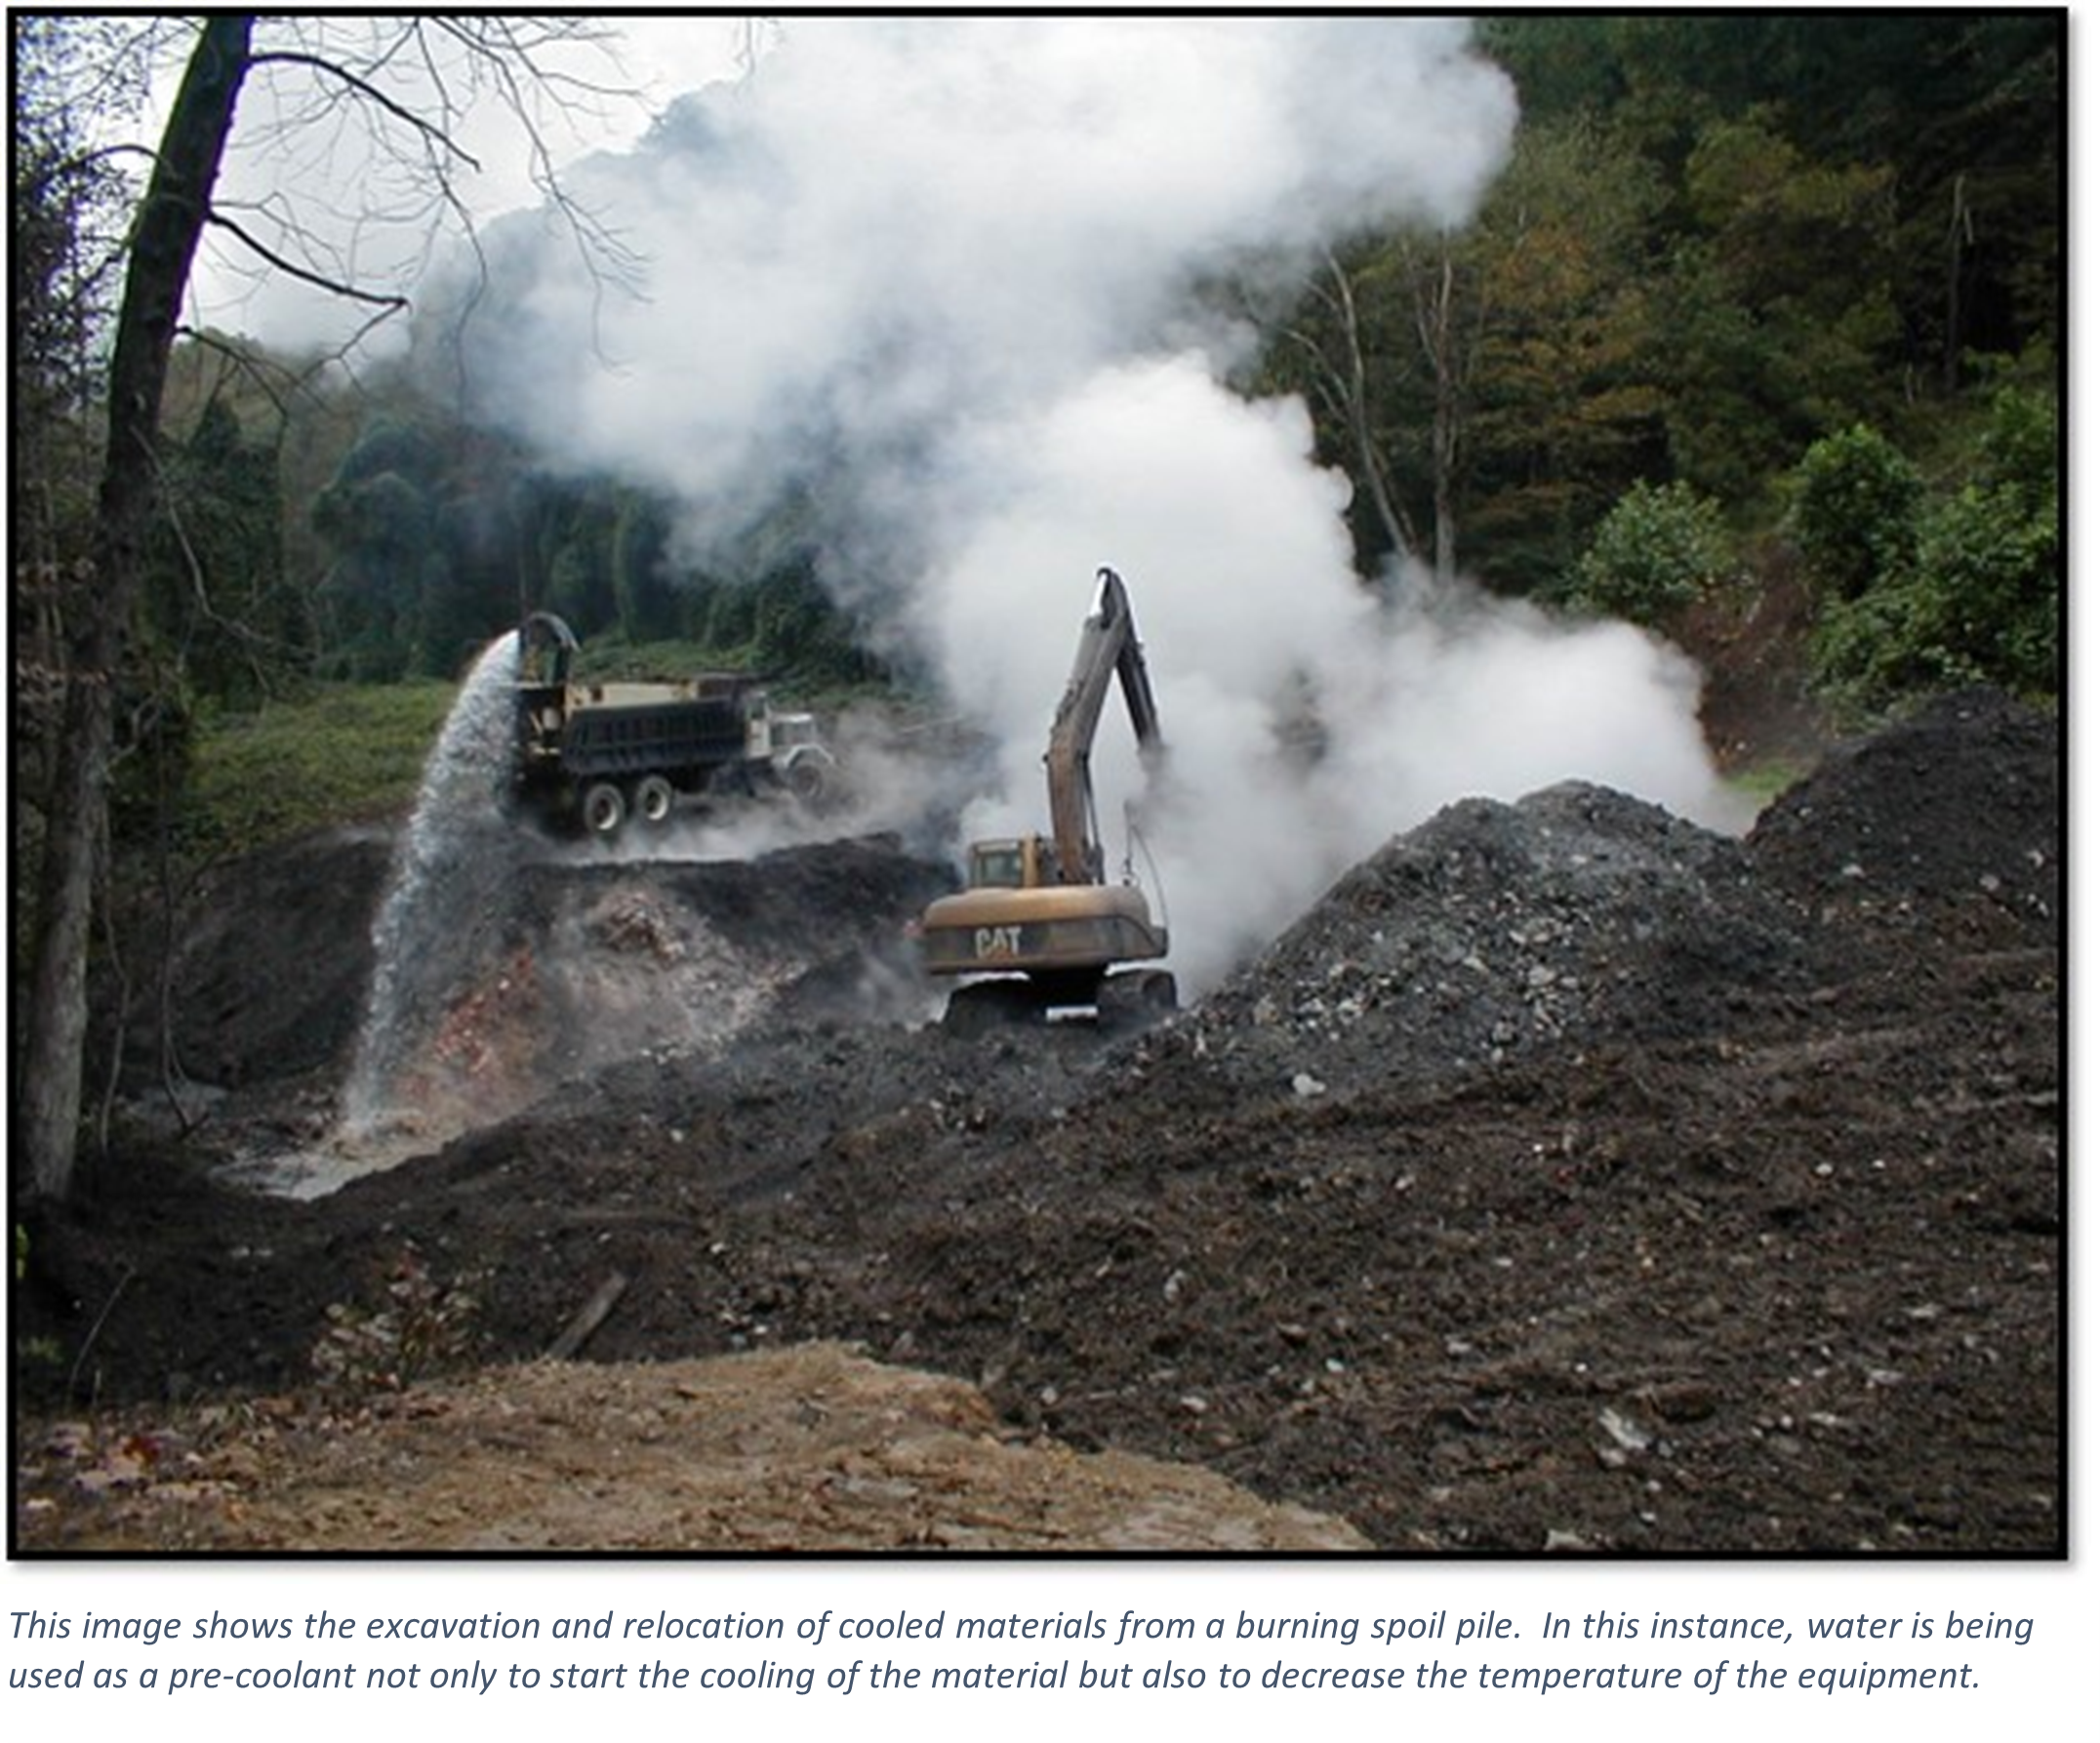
(1568,1177)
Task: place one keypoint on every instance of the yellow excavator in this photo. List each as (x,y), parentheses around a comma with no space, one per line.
(1038,925)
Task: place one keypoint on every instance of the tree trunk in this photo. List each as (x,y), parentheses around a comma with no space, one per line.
(164,243)
(1961,233)
(1399,532)
(1436,319)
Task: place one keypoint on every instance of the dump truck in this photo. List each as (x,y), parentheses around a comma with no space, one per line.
(1037,926)
(594,756)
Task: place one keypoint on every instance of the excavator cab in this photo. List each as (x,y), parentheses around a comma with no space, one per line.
(1024,863)
(1001,864)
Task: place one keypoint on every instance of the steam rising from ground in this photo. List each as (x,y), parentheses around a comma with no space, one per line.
(933,276)
(1306,719)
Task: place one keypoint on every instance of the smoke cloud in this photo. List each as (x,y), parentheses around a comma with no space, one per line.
(933,276)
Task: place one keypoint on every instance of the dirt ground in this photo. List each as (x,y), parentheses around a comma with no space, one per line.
(812,1449)
(1568,1177)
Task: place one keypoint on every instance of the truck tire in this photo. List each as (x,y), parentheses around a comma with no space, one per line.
(604,808)
(807,775)
(653,800)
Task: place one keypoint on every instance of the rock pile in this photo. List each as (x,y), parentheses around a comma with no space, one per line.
(1957,808)
(1494,931)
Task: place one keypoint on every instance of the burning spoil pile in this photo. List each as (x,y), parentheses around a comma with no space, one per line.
(1567,1173)
(322,1045)
(670,958)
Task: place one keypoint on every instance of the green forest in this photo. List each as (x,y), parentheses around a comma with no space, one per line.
(1759,302)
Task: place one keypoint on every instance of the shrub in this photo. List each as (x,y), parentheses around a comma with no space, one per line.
(1978,598)
(1854,512)
(2018,447)
(1868,653)
(1660,547)
(1990,556)
(418,1325)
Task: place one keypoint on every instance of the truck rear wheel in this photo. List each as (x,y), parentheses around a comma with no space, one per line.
(654,799)
(604,809)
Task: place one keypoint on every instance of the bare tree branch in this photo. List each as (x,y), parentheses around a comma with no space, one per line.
(1399,532)
(218,220)
(502,50)
(429,132)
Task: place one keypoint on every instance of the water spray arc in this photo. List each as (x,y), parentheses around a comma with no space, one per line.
(451,872)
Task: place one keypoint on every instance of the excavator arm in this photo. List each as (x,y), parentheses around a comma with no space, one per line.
(1108,648)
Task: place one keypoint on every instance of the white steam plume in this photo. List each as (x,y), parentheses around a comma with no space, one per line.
(1256,631)
(936,269)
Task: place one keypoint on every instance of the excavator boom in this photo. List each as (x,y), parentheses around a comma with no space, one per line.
(1108,647)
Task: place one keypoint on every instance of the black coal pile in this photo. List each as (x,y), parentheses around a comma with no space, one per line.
(266,971)
(1495,931)
(1954,814)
